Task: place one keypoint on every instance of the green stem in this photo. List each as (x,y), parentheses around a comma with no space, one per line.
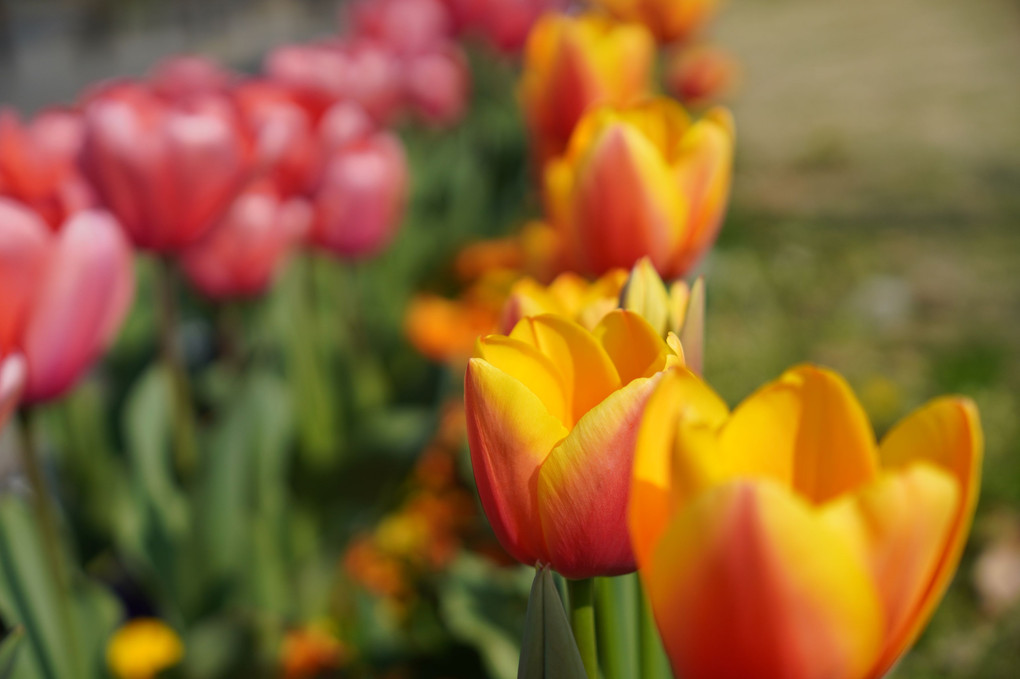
(185,450)
(616,616)
(50,534)
(582,621)
(654,663)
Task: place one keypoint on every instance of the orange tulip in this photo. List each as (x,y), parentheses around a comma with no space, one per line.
(552,414)
(780,541)
(572,64)
(669,20)
(641,182)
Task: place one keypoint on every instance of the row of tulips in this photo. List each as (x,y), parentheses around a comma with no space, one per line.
(776,540)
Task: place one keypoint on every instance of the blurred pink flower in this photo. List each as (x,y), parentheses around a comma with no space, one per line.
(167,171)
(360,197)
(242,255)
(65,293)
(503,23)
(286,149)
(406,27)
(189,76)
(12,381)
(437,85)
(38,163)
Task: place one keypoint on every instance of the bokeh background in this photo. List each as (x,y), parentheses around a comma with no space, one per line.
(874,228)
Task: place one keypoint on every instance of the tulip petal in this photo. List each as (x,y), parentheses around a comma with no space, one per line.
(527,365)
(679,395)
(749,581)
(584,484)
(24,248)
(587,371)
(85,296)
(806,429)
(12,381)
(946,433)
(899,524)
(510,434)
(634,346)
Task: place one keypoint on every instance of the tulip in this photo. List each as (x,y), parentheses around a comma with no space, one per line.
(701,74)
(573,64)
(360,199)
(437,85)
(781,541)
(669,20)
(642,182)
(568,295)
(287,150)
(142,648)
(65,294)
(168,172)
(38,164)
(505,24)
(242,255)
(12,382)
(552,415)
(533,251)
(405,26)
(189,76)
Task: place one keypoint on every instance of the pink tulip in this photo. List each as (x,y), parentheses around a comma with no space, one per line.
(437,85)
(360,197)
(38,163)
(12,382)
(189,76)
(66,293)
(167,171)
(323,74)
(503,23)
(241,256)
(286,147)
(344,124)
(407,27)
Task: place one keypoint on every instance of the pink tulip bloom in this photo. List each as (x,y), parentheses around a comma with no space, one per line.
(286,149)
(407,27)
(189,76)
(437,85)
(12,382)
(503,23)
(360,198)
(167,171)
(242,255)
(65,293)
(38,163)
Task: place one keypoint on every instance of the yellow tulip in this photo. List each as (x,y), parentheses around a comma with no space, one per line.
(641,181)
(552,414)
(573,63)
(669,20)
(142,648)
(780,541)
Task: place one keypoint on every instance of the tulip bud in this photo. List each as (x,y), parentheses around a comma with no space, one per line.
(669,20)
(66,294)
(574,64)
(780,540)
(408,27)
(646,294)
(552,411)
(701,75)
(188,77)
(641,182)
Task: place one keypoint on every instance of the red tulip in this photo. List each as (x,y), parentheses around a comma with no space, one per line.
(12,381)
(344,124)
(65,293)
(166,171)
(240,257)
(287,150)
(503,23)
(189,76)
(437,85)
(38,163)
(407,27)
(322,74)
(361,195)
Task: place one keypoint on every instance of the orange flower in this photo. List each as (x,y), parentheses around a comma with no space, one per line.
(310,651)
(780,541)
(641,182)
(669,20)
(572,64)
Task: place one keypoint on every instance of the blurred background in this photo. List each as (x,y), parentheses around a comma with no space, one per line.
(874,228)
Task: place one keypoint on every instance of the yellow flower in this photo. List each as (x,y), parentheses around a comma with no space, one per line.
(142,648)
(780,541)
(669,20)
(641,181)
(573,63)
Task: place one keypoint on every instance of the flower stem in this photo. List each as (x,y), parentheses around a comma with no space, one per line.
(50,535)
(185,451)
(616,615)
(654,663)
(582,621)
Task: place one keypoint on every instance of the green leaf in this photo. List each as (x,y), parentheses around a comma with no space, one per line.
(9,648)
(548,650)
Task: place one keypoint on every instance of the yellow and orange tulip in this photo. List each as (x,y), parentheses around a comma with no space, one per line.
(669,20)
(572,64)
(642,181)
(780,541)
(552,415)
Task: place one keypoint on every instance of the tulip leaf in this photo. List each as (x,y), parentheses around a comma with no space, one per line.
(9,648)
(548,650)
